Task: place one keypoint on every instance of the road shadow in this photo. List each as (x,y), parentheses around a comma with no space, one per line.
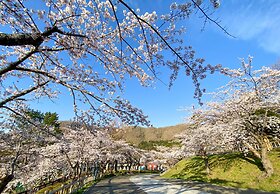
(213,189)
(114,185)
(123,185)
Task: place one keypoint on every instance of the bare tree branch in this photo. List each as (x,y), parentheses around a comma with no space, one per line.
(161,37)
(13,65)
(210,19)
(22,93)
(119,28)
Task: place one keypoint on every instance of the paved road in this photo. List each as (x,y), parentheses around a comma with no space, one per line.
(153,184)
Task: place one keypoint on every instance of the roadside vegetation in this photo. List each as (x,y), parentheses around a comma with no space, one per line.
(50,188)
(232,169)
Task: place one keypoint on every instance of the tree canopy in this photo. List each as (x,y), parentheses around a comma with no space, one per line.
(91,48)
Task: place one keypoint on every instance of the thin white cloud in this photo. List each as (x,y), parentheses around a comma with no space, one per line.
(257,20)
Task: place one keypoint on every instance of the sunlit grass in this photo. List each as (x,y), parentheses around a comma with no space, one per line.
(85,187)
(232,169)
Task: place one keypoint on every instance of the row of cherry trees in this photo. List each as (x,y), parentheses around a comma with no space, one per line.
(69,150)
(246,113)
(33,158)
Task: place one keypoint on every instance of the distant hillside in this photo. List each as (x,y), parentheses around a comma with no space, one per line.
(135,135)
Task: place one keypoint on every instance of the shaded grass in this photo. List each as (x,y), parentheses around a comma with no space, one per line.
(86,187)
(53,187)
(50,188)
(232,169)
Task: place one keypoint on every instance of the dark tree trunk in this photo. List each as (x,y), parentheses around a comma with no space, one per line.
(206,163)
(205,159)
(18,39)
(5,181)
(116,165)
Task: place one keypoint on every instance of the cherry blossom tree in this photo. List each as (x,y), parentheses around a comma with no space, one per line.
(91,48)
(167,156)
(255,104)
(204,137)
(246,115)
(72,156)
(19,145)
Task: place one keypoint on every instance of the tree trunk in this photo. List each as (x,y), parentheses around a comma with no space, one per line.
(205,158)
(253,150)
(116,165)
(267,165)
(206,163)
(5,181)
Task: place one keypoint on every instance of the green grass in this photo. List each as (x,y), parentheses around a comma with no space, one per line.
(50,188)
(53,187)
(85,187)
(232,169)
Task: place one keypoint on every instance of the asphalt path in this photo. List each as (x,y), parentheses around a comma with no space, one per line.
(153,184)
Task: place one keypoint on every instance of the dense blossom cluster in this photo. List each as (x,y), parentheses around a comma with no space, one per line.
(76,149)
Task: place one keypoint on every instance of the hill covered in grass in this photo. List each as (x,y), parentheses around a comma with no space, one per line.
(136,135)
(234,169)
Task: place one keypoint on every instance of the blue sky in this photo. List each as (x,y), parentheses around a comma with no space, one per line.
(254,23)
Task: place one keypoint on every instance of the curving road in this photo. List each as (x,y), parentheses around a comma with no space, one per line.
(153,184)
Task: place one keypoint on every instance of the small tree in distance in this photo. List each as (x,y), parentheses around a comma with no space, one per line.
(51,120)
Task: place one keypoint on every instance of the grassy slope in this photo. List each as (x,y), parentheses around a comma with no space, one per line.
(135,135)
(229,170)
